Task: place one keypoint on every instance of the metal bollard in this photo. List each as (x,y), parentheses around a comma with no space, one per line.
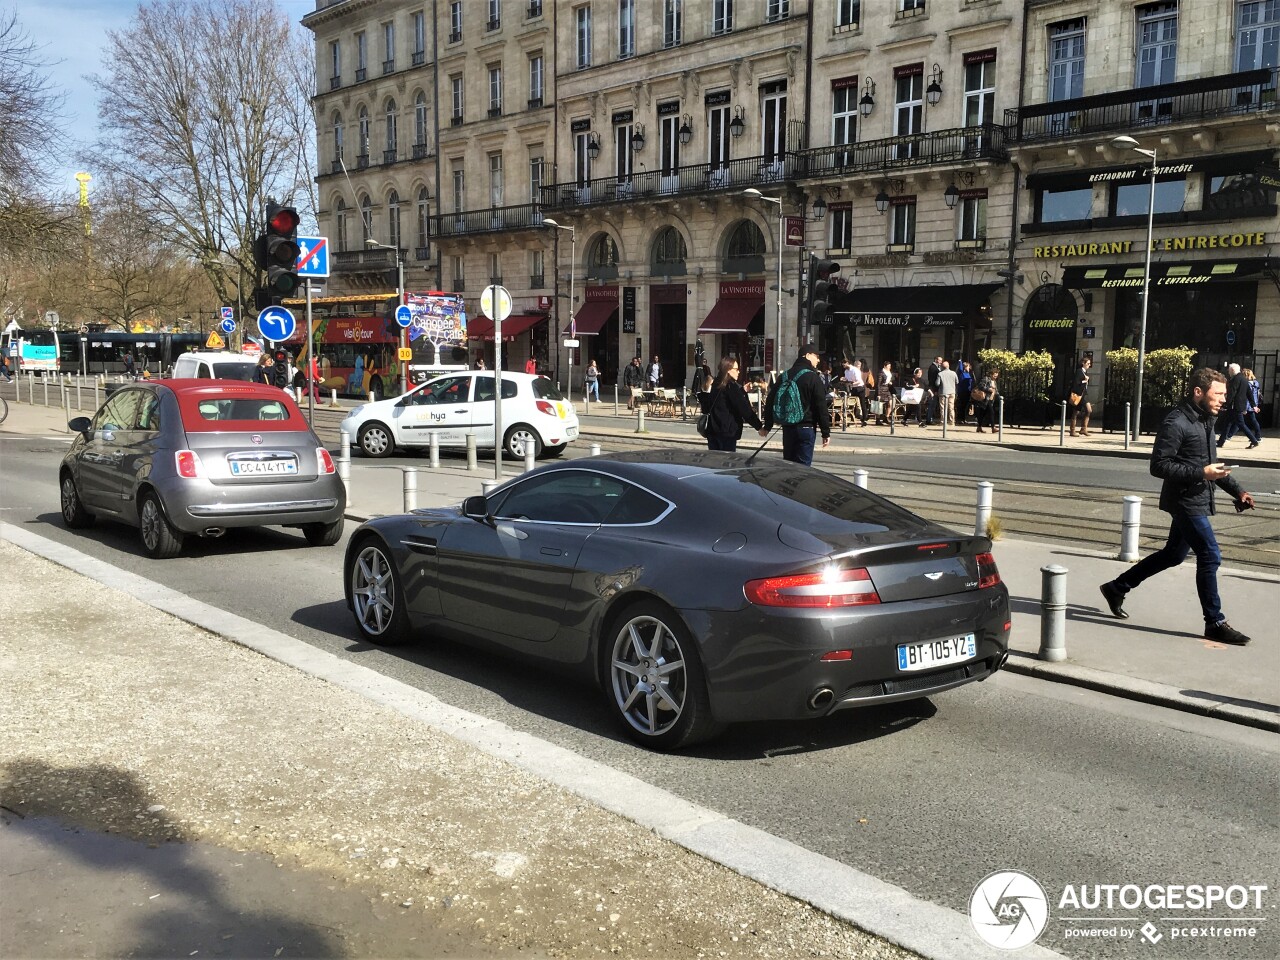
(1053,613)
(471,451)
(1127,421)
(594,449)
(984,508)
(1062,425)
(66,407)
(1000,412)
(860,479)
(79,399)
(45,380)
(640,419)
(844,413)
(1130,523)
(96,402)
(433,450)
(488,486)
(410,488)
(684,409)
(615,399)
(333,398)
(529,458)
(943,410)
(344,465)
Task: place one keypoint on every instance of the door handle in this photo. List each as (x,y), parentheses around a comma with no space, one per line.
(551,551)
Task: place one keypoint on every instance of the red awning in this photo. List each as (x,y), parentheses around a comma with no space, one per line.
(481,328)
(731,316)
(593,316)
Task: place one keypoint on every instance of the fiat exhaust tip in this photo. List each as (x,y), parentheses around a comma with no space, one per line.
(822,698)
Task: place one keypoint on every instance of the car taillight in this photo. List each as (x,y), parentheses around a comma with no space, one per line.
(545,407)
(988,575)
(324,462)
(829,588)
(188,462)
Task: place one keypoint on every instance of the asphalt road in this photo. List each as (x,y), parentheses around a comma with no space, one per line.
(1062,783)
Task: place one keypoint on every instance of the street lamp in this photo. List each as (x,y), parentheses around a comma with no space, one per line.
(404,333)
(573,260)
(1132,144)
(777,345)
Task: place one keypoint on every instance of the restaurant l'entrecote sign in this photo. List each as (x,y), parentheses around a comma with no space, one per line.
(1216,241)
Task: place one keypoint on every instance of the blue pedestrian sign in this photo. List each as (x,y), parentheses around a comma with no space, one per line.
(313,257)
(404,316)
(228,325)
(276,324)
(228,313)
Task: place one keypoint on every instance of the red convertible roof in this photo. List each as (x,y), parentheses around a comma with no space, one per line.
(232,406)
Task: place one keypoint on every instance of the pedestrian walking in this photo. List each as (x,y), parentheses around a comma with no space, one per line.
(984,399)
(654,373)
(934,391)
(593,381)
(948,384)
(728,408)
(798,403)
(856,387)
(632,379)
(884,394)
(1079,399)
(1239,402)
(1255,401)
(128,365)
(1181,457)
(4,368)
(964,371)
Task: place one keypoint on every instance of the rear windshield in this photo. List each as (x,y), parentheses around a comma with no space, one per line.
(232,414)
(233,371)
(544,389)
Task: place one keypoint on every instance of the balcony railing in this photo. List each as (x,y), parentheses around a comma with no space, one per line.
(535,103)
(985,142)
(361,73)
(335,166)
(455,121)
(733,175)
(422,253)
(354,261)
(535,9)
(388,66)
(495,112)
(487,220)
(335,82)
(537,281)
(419,57)
(455,36)
(1204,98)
(421,150)
(493,25)
(362,161)
(389,156)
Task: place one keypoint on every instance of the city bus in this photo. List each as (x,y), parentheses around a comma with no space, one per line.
(38,351)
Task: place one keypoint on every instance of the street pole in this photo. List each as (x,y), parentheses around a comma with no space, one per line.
(573,259)
(1146,298)
(805,320)
(311,359)
(404,331)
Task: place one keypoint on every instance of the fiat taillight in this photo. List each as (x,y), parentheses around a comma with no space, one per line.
(188,463)
(324,462)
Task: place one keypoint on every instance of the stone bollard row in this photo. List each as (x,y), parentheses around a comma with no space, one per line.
(1053,613)
(471,452)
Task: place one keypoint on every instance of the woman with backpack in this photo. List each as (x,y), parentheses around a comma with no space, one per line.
(727,409)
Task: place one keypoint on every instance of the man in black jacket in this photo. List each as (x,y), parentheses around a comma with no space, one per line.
(799,435)
(933,377)
(1181,458)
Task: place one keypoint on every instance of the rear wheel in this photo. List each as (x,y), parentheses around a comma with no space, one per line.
(158,536)
(518,438)
(377,599)
(654,679)
(323,534)
(74,514)
(375,440)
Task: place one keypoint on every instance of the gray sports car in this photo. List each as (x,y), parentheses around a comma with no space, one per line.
(180,458)
(696,588)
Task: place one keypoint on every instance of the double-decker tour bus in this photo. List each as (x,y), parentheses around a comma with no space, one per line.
(358,340)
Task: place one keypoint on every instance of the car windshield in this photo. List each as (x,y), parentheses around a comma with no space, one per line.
(544,389)
(233,371)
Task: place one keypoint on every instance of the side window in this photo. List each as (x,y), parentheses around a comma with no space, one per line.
(484,389)
(448,390)
(149,414)
(565,496)
(203,372)
(120,412)
(636,506)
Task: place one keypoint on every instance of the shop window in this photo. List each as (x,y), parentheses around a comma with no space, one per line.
(1131,199)
(1235,193)
(1057,206)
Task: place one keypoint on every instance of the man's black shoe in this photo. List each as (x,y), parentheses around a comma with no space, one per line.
(1115,600)
(1225,633)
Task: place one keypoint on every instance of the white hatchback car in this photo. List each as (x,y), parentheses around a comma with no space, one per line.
(533,411)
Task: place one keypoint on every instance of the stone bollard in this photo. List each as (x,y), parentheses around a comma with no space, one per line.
(640,419)
(1062,425)
(344,464)
(1127,421)
(1053,613)
(488,486)
(860,479)
(333,397)
(594,450)
(471,451)
(1000,414)
(410,488)
(529,458)
(984,508)
(1130,522)
(433,450)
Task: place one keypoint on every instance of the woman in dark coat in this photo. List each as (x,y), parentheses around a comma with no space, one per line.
(729,409)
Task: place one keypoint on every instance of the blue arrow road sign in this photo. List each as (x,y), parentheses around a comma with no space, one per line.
(276,323)
(313,256)
(228,325)
(404,316)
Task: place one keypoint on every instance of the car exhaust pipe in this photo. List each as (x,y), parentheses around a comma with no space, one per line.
(214,531)
(1004,658)
(822,698)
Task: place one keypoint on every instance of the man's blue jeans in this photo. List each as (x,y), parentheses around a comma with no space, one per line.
(797,444)
(1186,534)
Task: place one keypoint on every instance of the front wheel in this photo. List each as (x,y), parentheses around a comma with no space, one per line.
(517,440)
(377,598)
(158,536)
(654,679)
(375,440)
(323,534)
(74,514)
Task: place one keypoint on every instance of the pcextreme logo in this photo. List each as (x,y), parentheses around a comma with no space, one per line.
(1009,909)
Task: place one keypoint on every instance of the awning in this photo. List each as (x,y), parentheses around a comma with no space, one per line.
(592,317)
(481,328)
(731,316)
(936,306)
(1165,273)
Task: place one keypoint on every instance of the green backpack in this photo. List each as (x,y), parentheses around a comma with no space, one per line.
(788,404)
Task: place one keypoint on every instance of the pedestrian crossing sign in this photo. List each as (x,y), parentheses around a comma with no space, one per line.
(215,342)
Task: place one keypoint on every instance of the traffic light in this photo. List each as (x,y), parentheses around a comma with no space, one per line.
(820,292)
(276,252)
(280,371)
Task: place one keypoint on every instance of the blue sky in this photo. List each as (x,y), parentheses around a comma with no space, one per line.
(72,35)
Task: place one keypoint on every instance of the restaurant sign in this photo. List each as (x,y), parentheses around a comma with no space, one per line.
(1217,241)
(904,319)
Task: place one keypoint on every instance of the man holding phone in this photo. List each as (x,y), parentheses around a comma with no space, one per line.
(1182,458)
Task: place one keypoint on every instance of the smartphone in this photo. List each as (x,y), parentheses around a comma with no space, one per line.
(1231,466)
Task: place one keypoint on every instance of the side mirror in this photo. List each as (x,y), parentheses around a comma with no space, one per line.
(81,425)
(477,508)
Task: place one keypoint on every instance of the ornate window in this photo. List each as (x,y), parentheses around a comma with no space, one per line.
(669,252)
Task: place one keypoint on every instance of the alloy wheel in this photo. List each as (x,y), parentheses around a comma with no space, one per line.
(373,591)
(650,682)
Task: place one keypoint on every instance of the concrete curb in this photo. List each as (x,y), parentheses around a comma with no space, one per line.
(871,904)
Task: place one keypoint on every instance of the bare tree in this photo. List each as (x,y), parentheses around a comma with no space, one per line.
(31,106)
(200,113)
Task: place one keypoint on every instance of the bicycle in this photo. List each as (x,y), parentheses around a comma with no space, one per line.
(4,409)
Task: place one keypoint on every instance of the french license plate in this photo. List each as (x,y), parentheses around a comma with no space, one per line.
(936,653)
(571,432)
(244,468)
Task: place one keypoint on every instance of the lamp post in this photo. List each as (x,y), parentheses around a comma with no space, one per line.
(1132,144)
(573,259)
(777,345)
(404,333)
